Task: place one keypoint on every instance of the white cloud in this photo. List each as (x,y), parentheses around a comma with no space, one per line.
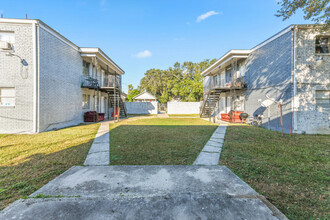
(206,15)
(143,54)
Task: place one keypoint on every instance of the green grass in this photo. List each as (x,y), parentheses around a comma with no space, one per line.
(291,171)
(137,115)
(27,162)
(184,115)
(158,141)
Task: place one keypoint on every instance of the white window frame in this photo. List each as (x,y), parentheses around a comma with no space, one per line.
(86,103)
(324,98)
(6,96)
(86,67)
(10,40)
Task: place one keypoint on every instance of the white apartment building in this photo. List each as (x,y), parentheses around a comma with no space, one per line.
(48,82)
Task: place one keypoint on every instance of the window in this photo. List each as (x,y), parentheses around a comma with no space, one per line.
(7,96)
(8,37)
(85,101)
(322,44)
(323,100)
(85,68)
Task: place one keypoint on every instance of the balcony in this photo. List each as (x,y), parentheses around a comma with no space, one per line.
(106,83)
(223,85)
(110,81)
(89,82)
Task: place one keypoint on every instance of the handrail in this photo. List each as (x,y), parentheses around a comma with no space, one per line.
(204,103)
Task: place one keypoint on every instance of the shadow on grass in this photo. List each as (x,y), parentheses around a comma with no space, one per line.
(21,180)
(158,144)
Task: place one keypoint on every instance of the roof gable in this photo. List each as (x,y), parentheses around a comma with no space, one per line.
(144,95)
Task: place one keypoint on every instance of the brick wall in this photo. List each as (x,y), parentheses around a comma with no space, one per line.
(60,81)
(268,72)
(18,119)
(309,79)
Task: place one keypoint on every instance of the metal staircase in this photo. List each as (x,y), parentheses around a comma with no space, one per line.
(209,105)
(116,101)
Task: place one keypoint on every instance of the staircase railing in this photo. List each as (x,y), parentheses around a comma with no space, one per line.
(123,103)
(209,86)
(204,104)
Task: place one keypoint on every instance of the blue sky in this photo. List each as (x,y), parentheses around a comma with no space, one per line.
(139,34)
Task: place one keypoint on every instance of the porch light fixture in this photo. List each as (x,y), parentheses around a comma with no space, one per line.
(23,71)
(23,61)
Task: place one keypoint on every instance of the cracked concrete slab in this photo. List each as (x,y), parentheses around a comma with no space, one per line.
(215,142)
(133,181)
(183,206)
(144,192)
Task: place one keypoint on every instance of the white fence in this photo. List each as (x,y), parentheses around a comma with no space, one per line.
(182,108)
(141,108)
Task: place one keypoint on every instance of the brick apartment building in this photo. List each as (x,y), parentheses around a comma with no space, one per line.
(293,67)
(48,82)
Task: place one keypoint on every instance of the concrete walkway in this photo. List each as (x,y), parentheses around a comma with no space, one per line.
(210,154)
(99,153)
(162,115)
(144,192)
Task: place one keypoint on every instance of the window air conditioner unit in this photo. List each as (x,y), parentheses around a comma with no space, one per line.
(5,45)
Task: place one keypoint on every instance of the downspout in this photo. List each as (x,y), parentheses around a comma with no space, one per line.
(294,80)
(35,35)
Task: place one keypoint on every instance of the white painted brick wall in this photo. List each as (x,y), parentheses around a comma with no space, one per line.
(18,119)
(60,81)
(309,80)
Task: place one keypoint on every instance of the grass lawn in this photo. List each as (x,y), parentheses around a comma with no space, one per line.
(158,141)
(184,115)
(27,162)
(291,171)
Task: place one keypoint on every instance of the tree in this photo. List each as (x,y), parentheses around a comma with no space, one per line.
(181,81)
(132,92)
(316,10)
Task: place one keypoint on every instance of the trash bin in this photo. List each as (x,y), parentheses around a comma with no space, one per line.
(91,116)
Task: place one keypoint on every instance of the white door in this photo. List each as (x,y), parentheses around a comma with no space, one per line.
(102,106)
(222,104)
(228,105)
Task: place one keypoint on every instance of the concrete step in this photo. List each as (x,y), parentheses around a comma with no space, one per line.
(185,206)
(144,192)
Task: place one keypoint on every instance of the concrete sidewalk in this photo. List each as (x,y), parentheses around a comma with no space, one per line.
(210,154)
(144,192)
(99,153)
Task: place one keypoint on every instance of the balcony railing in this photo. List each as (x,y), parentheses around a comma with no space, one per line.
(89,82)
(110,81)
(223,84)
(105,82)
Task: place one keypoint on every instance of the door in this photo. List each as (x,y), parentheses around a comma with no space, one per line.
(102,105)
(228,104)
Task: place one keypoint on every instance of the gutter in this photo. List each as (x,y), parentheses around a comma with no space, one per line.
(294,80)
(35,34)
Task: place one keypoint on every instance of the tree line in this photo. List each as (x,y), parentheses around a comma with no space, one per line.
(182,82)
